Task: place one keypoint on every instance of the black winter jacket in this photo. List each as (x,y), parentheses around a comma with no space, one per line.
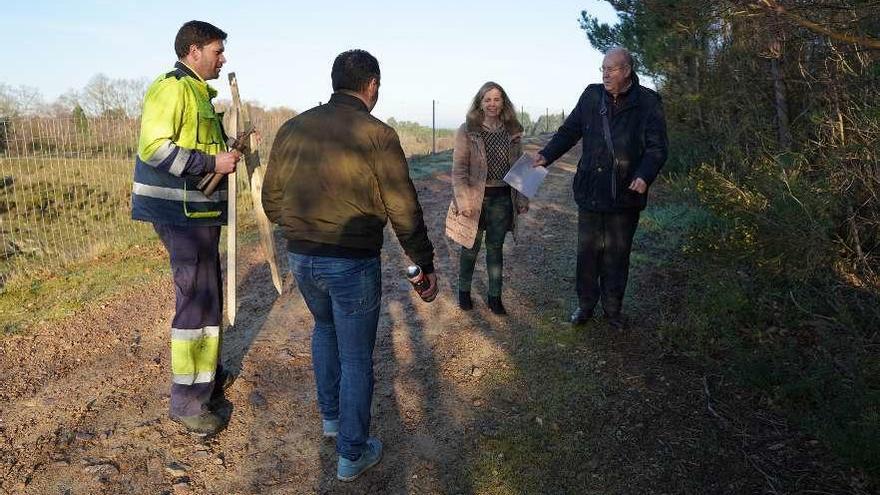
(638,131)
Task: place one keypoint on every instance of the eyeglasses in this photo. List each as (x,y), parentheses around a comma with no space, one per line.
(616,68)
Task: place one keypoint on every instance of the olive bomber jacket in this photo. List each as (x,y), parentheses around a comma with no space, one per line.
(335,176)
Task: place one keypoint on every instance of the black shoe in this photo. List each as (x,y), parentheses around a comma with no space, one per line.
(616,321)
(580,316)
(464,300)
(495,305)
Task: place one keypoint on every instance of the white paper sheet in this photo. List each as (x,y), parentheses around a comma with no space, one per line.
(524,177)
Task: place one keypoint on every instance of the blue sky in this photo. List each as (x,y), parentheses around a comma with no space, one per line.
(282,54)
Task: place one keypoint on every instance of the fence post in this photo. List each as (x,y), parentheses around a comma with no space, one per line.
(433,127)
(3,124)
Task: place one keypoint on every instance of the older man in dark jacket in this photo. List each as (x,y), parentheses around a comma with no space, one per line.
(624,147)
(335,176)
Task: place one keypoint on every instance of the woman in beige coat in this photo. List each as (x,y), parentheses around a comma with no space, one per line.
(486,145)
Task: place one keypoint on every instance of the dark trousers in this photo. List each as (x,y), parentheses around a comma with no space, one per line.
(496,217)
(604,245)
(195,329)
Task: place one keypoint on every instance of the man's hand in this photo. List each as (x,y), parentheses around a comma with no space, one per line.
(224,163)
(638,185)
(539,161)
(431,292)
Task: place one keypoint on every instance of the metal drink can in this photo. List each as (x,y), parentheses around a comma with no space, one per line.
(419,281)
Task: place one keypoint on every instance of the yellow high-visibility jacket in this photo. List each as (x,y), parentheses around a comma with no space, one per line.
(180,134)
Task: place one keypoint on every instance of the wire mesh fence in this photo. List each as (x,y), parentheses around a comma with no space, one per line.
(65,189)
(65,186)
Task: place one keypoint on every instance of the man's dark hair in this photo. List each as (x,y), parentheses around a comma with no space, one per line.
(352,70)
(197,33)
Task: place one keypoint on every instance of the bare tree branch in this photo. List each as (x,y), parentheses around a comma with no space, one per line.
(773,6)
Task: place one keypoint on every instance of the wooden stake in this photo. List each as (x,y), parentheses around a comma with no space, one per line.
(256,172)
(231,237)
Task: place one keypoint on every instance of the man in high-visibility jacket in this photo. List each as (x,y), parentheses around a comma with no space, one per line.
(181,140)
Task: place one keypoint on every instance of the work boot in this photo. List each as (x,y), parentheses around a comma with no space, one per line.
(204,425)
(464,300)
(580,316)
(348,470)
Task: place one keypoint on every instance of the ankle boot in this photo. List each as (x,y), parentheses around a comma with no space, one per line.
(464,300)
(495,305)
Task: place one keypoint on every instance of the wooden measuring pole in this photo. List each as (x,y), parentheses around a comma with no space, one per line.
(231,234)
(255,173)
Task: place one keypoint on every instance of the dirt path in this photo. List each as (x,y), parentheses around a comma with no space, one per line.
(464,402)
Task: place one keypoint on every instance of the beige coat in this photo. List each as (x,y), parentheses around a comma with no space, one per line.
(469,170)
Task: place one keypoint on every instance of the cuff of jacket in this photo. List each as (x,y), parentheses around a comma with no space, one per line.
(645,177)
(427,267)
(547,160)
(210,163)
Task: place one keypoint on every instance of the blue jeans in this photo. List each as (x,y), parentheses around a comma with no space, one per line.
(343,295)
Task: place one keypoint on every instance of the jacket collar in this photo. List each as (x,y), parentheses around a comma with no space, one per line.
(629,99)
(347,100)
(187,70)
(191,73)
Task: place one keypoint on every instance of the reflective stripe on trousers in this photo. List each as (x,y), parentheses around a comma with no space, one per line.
(194,354)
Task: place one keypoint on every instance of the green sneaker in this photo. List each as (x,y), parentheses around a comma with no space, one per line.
(204,425)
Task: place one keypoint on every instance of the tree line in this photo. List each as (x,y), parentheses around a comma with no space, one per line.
(773,110)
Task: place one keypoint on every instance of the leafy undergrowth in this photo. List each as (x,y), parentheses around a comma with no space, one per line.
(807,351)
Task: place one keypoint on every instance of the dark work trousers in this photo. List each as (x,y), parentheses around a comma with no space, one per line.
(496,217)
(604,245)
(195,329)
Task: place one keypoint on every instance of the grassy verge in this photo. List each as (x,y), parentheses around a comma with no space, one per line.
(45,296)
(809,354)
(422,166)
(537,439)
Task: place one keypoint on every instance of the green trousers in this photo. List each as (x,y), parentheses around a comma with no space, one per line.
(495,220)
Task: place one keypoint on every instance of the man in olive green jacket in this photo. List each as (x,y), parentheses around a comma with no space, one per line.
(336,175)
